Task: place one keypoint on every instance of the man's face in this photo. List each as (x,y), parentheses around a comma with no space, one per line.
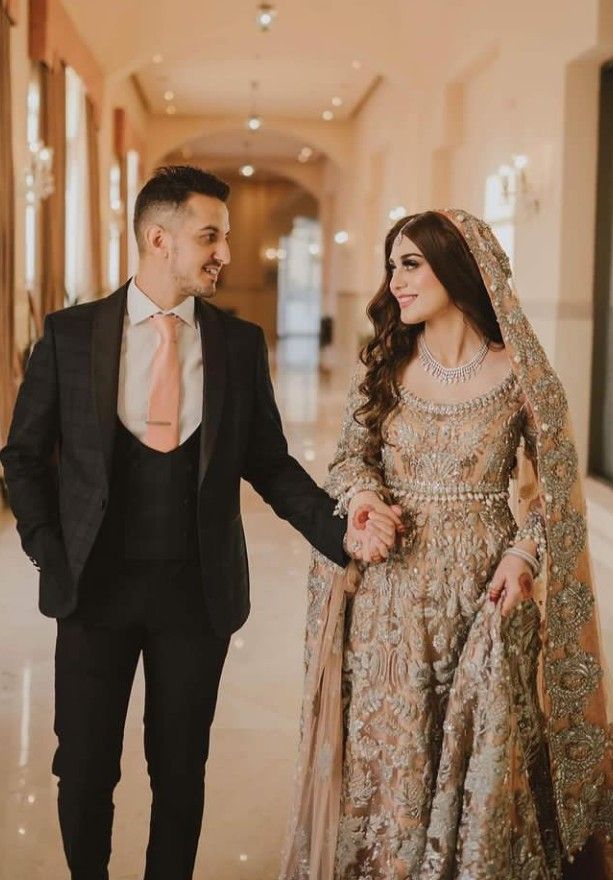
(199,245)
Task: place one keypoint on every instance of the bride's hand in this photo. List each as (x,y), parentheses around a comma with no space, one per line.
(372,526)
(512,581)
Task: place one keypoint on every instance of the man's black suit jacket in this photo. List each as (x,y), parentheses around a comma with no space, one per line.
(57,461)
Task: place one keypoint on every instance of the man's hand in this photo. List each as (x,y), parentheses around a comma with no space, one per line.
(372,526)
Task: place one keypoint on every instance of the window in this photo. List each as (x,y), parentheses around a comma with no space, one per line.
(132,187)
(115,226)
(78,251)
(32,237)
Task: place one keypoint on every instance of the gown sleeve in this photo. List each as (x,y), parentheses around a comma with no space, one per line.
(348,472)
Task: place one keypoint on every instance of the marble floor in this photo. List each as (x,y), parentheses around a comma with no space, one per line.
(254,738)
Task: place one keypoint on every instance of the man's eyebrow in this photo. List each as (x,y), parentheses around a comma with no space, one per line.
(212,229)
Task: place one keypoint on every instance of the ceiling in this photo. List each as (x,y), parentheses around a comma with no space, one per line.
(297,89)
(208,55)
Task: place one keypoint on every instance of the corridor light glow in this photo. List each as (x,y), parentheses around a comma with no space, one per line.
(341,237)
(266,16)
(243,857)
(356,64)
(169,95)
(337,102)
(247,170)
(305,154)
(254,123)
(398,213)
(171,110)
(157,59)
(328,115)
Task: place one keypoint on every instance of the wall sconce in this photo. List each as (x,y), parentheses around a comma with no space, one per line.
(515,187)
(38,175)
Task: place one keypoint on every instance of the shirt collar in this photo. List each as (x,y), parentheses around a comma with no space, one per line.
(140,307)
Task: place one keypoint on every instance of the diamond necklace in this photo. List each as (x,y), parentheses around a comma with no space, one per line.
(450,375)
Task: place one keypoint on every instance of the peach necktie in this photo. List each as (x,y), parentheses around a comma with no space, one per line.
(162,431)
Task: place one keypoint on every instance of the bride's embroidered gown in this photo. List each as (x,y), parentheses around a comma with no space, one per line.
(439,732)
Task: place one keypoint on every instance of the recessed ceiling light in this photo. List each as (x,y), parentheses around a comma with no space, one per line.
(337,102)
(328,115)
(341,237)
(305,154)
(247,170)
(157,59)
(265,16)
(169,95)
(356,64)
(398,213)
(171,109)
(254,123)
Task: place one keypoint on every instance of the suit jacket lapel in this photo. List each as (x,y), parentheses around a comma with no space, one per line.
(106,350)
(214,364)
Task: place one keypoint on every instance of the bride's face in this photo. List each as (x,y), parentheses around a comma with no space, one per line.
(420,294)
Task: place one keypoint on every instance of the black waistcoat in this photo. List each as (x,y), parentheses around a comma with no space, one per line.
(151,513)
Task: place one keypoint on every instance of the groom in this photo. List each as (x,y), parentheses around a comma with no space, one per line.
(138,416)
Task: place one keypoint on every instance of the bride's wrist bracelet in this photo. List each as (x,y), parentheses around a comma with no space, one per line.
(527,557)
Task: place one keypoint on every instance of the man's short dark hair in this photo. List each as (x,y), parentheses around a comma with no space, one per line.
(172,185)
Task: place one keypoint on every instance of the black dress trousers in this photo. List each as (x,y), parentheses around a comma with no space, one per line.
(156,608)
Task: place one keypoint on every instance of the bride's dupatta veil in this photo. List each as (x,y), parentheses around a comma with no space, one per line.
(516,804)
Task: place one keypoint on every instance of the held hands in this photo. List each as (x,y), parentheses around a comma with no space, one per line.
(372,526)
(512,581)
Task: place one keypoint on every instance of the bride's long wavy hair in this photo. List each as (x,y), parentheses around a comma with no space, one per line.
(393,343)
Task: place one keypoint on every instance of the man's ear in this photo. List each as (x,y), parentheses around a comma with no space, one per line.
(156,240)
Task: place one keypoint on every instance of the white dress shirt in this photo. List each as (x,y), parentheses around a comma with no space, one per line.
(138,346)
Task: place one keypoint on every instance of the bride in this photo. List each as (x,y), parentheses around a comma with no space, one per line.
(432,746)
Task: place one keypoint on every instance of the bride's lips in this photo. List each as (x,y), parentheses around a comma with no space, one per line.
(406,300)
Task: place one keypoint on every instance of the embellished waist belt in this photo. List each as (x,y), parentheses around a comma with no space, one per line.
(418,490)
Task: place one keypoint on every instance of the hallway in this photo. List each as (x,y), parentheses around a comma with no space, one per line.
(330,123)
